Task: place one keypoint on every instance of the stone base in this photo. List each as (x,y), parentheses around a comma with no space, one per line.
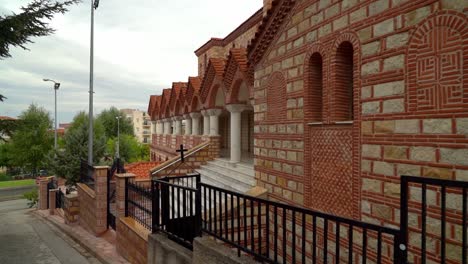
(163,250)
(206,250)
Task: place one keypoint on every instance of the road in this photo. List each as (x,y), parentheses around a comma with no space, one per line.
(14,193)
(25,238)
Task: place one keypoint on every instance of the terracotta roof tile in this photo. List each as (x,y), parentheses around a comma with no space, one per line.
(141,169)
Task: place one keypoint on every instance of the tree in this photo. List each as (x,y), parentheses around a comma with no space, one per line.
(7,127)
(17,29)
(108,119)
(32,139)
(66,164)
(130,149)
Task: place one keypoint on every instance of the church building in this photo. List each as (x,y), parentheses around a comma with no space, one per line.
(327,103)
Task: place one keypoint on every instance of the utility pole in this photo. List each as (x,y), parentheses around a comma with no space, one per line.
(56,87)
(94,5)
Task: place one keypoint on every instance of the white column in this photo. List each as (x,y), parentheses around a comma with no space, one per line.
(236,149)
(188,125)
(214,121)
(167,126)
(195,123)
(158,127)
(177,125)
(206,122)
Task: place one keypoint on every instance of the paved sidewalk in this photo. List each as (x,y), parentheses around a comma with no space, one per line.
(102,247)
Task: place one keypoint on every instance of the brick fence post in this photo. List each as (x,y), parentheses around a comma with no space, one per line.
(72,208)
(43,193)
(100,188)
(52,198)
(120,192)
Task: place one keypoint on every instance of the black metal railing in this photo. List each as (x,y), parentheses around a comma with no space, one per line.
(278,233)
(138,202)
(442,201)
(60,199)
(177,208)
(87,174)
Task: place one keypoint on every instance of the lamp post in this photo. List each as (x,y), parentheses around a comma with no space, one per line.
(94,5)
(56,87)
(118,136)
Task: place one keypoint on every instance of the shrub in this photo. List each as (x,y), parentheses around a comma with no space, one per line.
(32,196)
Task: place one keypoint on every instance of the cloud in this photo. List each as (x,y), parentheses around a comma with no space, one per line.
(141,47)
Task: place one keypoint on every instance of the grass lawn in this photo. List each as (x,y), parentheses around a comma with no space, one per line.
(9,184)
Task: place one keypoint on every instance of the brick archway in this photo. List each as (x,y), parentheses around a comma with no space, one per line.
(309,86)
(436,54)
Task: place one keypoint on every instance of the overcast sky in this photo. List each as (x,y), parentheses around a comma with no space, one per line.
(141,47)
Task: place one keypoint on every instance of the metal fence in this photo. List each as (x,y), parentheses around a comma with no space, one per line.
(278,233)
(87,174)
(440,209)
(138,203)
(60,199)
(177,208)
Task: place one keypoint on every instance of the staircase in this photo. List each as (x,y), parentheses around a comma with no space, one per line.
(239,177)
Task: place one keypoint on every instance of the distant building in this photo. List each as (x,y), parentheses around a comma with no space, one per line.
(142,125)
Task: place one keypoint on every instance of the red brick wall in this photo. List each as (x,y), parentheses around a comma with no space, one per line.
(409,105)
(132,241)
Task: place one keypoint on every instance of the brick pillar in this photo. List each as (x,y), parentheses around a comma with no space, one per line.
(72,208)
(43,193)
(52,198)
(120,192)
(100,188)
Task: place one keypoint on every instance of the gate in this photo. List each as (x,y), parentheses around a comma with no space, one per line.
(434,219)
(60,199)
(118,167)
(177,207)
(52,184)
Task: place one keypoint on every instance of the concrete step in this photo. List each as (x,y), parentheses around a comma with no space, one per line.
(236,167)
(228,176)
(214,178)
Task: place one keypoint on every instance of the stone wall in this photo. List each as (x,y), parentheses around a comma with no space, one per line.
(132,240)
(366,100)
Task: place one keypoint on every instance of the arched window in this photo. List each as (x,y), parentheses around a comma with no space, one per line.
(276,97)
(344,82)
(316,87)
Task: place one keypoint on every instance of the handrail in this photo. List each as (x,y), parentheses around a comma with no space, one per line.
(176,159)
(296,208)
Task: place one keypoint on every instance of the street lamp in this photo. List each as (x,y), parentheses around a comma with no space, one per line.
(56,87)
(118,136)
(94,5)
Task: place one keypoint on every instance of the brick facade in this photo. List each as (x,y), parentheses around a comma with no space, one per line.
(348,95)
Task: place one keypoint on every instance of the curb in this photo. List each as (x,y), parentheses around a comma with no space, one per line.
(74,238)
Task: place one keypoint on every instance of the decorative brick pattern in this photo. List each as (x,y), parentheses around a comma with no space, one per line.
(331,170)
(435,63)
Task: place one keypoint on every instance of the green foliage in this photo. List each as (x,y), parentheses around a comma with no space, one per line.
(5,155)
(17,29)
(7,127)
(66,164)
(5,177)
(108,119)
(32,196)
(32,139)
(130,149)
